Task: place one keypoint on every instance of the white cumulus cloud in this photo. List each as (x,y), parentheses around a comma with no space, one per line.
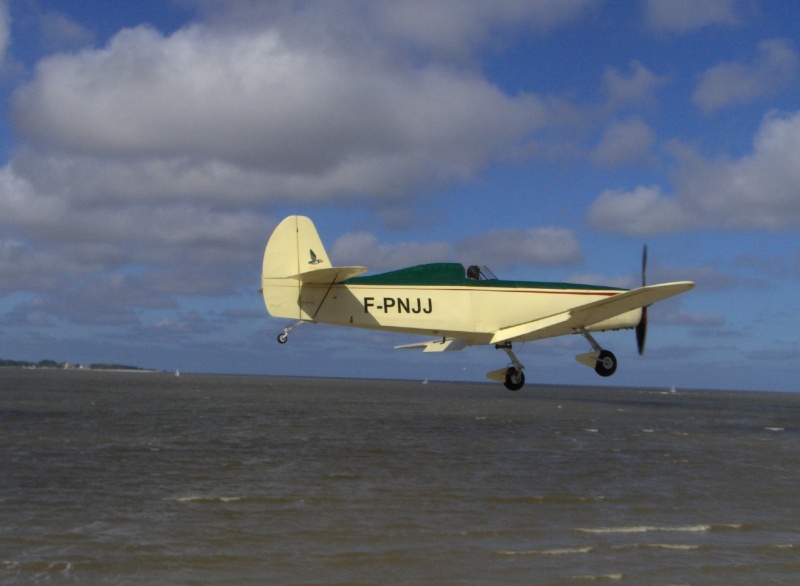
(623,141)
(548,246)
(364,249)
(452,26)
(642,211)
(297,120)
(5,29)
(682,16)
(636,87)
(734,82)
(162,152)
(759,191)
(496,248)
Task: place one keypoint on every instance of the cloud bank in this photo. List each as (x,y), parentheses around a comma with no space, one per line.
(758,191)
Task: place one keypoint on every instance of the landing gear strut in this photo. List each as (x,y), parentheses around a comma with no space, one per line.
(606,362)
(515,378)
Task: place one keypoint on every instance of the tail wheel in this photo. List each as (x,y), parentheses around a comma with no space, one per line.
(606,363)
(515,379)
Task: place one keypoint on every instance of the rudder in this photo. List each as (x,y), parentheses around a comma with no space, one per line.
(293,249)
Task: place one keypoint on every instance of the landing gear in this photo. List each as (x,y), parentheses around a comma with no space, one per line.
(604,361)
(514,377)
(283,337)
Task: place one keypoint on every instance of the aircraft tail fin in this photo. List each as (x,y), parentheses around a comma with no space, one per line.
(294,248)
(295,256)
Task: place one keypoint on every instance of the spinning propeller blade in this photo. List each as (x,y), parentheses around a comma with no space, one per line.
(641,327)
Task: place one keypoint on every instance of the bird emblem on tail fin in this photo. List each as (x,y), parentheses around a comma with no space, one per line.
(314,260)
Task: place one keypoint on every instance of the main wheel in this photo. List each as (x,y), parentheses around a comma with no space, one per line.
(606,364)
(515,379)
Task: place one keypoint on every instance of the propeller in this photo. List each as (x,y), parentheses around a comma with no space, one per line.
(641,327)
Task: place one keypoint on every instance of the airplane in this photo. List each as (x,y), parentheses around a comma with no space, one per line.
(459,307)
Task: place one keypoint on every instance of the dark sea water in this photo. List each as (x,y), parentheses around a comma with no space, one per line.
(143,478)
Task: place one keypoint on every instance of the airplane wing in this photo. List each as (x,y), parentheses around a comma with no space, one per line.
(445,345)
(329,276)
(571,321)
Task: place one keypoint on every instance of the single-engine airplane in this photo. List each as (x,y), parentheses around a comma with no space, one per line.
(459,307)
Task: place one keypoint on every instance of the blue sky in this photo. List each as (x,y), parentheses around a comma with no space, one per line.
(149,148)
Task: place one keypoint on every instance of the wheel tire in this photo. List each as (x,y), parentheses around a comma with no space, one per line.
(606,363)
(283,337)
(515,379)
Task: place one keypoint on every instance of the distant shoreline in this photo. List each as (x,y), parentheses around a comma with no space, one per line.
(53,365)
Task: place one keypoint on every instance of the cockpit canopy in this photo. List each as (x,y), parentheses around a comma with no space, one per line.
(480,273)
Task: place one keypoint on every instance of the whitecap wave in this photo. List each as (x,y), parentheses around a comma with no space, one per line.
(671,546)
(41,567)
(646,529)
(699,528)
(555,551)
(598,578)
(205,499)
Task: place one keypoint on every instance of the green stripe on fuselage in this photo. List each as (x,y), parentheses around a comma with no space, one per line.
(454,275)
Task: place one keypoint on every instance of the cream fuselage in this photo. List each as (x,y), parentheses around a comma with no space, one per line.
(438,299)
(475,313)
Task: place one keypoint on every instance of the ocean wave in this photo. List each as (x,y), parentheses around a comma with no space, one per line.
(670,546)
(779,546)
(555,551)
(41,567)
(205,499)
(542,499)
(216,499)
(700,528)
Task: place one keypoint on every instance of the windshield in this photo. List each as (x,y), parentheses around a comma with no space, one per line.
(481,273)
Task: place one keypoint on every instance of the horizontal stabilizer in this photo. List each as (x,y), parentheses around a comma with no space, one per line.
(583,316)
(328,276)
(446,345)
